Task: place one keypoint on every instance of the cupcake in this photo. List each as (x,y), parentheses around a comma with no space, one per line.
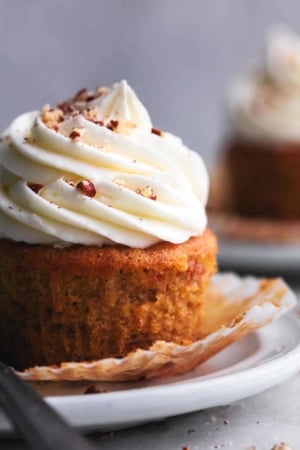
(104,246)
(262,154)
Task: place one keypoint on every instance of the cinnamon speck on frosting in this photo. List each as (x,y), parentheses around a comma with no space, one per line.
(119,181)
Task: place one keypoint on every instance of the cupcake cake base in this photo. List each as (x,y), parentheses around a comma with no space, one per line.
(234,307)
(87,303)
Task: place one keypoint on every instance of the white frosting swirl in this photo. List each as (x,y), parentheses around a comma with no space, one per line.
(149,187)
(266,106)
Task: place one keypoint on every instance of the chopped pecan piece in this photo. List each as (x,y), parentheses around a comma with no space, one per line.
(81,95)
(112,125)
(86,187)
(76,134)
(52,117)
(156,131)
(66,107)
(35,187)
(147,192)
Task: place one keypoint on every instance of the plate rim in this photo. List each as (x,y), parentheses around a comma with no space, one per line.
(251,254)
(288,361)
(146,396)
(206,379)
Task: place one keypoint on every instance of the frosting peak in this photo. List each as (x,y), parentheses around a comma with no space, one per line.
(283,59)
(93,171)
(122,104)
(266,104)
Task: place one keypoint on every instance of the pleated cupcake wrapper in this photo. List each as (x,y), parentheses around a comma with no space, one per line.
(234,307)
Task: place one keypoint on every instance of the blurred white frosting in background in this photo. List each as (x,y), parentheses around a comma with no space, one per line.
(265,104)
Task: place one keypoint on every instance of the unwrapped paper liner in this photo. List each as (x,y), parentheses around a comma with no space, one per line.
(233,308)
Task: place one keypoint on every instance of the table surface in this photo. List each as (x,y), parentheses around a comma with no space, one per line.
(256,423)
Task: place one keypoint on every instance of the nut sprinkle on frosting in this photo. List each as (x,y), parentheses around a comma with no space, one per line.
(86,187)
(100,144)
(264,105)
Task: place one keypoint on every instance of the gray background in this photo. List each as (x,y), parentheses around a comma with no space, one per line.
(179,55)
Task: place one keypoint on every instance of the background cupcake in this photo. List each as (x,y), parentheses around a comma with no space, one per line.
(262,157)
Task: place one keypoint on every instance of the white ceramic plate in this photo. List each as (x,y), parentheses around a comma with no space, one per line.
(257,256)
(257,362)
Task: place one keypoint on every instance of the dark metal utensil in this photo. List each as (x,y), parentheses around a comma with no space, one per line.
(40,426)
